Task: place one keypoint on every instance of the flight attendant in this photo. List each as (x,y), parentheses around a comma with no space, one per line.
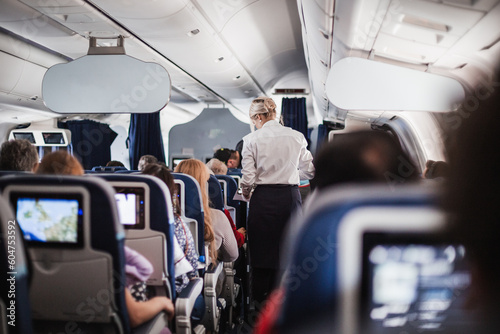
(274,160)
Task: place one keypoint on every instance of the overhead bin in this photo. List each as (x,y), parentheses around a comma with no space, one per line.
(361,84)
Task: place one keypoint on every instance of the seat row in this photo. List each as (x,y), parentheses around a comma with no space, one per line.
(76,262)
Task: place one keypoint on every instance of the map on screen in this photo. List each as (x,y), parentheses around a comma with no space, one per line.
(48,219)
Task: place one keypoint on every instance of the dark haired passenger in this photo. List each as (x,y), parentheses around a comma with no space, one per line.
(364,156)
(115,163)
(223,154)
(18,155)
(239,148)
(472,199)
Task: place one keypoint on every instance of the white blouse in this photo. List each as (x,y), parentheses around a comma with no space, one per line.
(275,154)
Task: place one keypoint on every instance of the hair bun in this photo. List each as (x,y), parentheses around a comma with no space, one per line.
(269,104)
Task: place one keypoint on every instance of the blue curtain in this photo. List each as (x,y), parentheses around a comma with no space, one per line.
(294,113)
(322,136)
(91,141)
(145,137)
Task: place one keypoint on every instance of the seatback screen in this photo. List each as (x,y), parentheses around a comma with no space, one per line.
(130,204)
(50,219)
(413,284)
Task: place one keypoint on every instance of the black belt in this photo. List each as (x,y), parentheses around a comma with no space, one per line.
(277,185)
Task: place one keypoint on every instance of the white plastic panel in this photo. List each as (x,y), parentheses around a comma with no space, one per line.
(360,84)
(106,84)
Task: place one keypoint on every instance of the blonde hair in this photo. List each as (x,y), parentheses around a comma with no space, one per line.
(217,166)
(262,105)
(200,172)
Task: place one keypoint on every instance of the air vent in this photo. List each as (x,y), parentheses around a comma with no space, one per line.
(284,91)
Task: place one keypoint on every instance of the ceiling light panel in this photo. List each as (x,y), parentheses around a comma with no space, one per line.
(459,20)
(421,31)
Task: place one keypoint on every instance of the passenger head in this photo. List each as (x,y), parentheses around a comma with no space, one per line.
(365,156)
(217,166)
(223,154)
(115,163)
(472,198)
(60,163)
(239,149)
(146,159)
(200,172)
(262,109)
(234,160)
(18,155)
(163,173)
(435,169)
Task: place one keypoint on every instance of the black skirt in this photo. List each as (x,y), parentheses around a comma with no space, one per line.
(270,209)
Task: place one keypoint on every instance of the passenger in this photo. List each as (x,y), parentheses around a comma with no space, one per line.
(146,159)
(141,312)
(18,155)
(217,166)
(115,163)
(218,233)
(60,163)
(234,160)
(472,199)
(275,158)
(436,169)
(367,156)
(239,148)
(137,270)
(223,154)
(182,233)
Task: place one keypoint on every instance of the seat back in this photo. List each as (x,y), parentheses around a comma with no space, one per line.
(153,236)
(108,169)
(15,310)
(78,258)
(313,281)
(215,193)
(230,187)
(235,173)
(192,207)
(242,208)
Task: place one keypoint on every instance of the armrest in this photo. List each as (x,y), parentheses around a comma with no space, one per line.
(184,305)
(153,326)
(212,314)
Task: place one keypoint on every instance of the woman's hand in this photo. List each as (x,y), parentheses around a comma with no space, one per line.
(243,231)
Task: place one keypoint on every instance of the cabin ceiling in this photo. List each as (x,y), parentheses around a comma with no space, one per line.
(230,51)
(216,52)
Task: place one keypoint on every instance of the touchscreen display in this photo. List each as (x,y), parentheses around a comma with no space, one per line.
(130,204)
(50,220)
(413,285)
